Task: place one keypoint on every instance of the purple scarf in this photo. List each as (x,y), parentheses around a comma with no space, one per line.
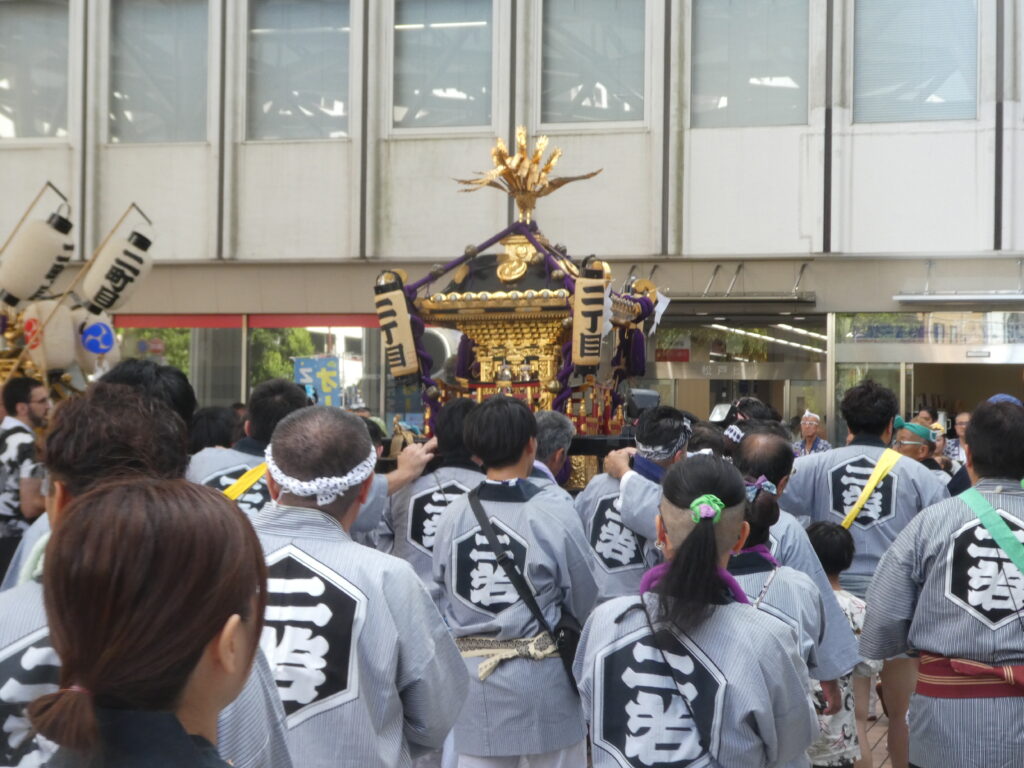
(763,551)
(651,578)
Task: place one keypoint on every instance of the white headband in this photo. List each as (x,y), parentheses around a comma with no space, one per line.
(326,489)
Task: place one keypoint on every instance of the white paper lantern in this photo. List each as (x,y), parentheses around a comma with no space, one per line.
(52,349)
(118,269)
(95,340)
(34,259)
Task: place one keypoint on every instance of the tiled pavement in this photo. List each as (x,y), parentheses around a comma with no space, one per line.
(876,740)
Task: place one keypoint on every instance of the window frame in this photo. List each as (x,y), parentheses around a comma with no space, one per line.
(104,69)
(849,59)
(500,79)
(356,9)
(813,26)
(75,23)
(653,33)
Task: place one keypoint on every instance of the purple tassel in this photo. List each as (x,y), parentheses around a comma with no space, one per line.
(637,353)
(465,358)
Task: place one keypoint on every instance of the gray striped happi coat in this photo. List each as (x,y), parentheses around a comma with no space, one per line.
(620,555)
(825,486)
(744,683)
(525,706)
(250,731)
(366,669)
(414,513)
(946,587)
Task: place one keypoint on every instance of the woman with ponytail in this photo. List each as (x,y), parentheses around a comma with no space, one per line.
(689,673)
(155,592)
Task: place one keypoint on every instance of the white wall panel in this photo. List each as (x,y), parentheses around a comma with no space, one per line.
(616,213)
(419,210)
(294,201)
(752,191)
(23,170)
(172,183)
(926,190)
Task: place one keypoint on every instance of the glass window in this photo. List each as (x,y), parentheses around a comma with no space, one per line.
(593,61)
(915,60)
(338,365)
(33,69)
(210,357)
(442,63)
(298,69)
(158,70)
(749,63)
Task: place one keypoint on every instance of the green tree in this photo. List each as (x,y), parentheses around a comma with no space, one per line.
(271,351)
(176,344)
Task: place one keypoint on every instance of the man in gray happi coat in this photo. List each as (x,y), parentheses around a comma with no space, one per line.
(947,589)
(826,486)
(365,667)
(619,523)
(521,700)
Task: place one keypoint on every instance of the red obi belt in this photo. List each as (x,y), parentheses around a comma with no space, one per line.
(943,678)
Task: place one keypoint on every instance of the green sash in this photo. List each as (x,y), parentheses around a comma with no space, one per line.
(996,526)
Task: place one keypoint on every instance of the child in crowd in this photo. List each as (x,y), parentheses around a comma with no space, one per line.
(842,742)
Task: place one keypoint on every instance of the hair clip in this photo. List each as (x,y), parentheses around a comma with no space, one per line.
(761,484)
(707,506)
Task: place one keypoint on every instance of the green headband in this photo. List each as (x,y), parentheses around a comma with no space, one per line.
(707,506)
(918,429)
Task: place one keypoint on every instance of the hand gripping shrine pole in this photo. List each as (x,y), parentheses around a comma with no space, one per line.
(86,268)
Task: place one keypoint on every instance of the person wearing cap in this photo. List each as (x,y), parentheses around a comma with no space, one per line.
(917,442)
(809,441)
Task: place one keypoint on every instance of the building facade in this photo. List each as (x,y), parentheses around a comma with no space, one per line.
(825,188)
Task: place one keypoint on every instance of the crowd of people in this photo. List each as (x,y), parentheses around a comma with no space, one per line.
(185,590)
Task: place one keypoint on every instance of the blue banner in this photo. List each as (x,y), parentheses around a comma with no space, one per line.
(322,376)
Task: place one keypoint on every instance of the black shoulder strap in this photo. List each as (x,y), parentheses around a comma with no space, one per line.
(506,561)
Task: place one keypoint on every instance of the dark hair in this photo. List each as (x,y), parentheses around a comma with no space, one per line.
(994,440)
(660,426)
(767,454)
(833,545)
(448,426)
(869,408)
(128,622)
(163,382)
(19,390)
(753,408)
(113,431)
(498,431)
(692,585)
(270,402)
(321,441)
(213,426)
(377,435)
(706,435)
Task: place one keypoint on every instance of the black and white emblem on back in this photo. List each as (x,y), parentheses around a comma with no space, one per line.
(310,634)
(847,481)
(480,581)
(641,716)
(616,546)
(425,509)
(29,669)
(253,499)
(980,578)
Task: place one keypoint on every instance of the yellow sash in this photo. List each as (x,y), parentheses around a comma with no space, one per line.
(245,482)
(884,465)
